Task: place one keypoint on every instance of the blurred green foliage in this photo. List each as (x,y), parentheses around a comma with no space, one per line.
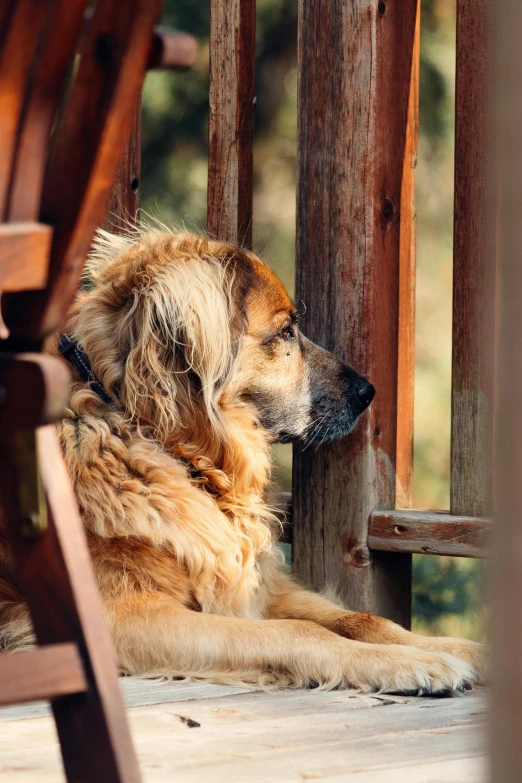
(447,592)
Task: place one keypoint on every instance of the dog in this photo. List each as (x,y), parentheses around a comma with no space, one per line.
(188,364)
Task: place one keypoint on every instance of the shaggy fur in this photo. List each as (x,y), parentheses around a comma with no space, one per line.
(196,343)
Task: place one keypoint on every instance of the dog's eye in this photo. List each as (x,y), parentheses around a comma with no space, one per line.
(287,332)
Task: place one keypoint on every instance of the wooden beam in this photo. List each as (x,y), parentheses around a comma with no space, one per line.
(474,272)
(358,71)
(46,673)
(506,569)
(429,533)
(423,532)
(172,50)
(230,162)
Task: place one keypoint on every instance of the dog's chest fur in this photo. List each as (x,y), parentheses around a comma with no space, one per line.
(152,527)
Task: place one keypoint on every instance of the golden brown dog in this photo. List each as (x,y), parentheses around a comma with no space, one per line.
(199,365)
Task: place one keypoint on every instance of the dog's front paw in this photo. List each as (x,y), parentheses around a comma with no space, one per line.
(408,670)
(471,652)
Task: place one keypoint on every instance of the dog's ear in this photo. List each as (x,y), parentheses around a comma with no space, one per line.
(182,335)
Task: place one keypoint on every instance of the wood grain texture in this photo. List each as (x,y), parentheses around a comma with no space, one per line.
(24,255)
(230,163)
(285,737)
(58,582)
(407,276)
(19,46)
(89,143)
(45,673)
(429,533)
(124,203)
(474,273)
(41,103)
(357,79)
(506,568)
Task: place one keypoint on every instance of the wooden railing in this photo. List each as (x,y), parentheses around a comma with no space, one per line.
(349,518)
(358,91)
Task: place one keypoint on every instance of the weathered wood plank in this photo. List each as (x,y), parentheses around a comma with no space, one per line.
(137,692)
(230,163)
(287,737)
(506,569)
(48,672)
(474,273)
(356,132)
(429,533)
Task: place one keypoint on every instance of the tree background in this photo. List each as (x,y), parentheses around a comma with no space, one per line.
(447,591)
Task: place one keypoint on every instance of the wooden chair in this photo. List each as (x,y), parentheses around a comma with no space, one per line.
(69,84)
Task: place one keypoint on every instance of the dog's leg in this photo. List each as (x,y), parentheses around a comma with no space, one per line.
(155,635)
(292,601)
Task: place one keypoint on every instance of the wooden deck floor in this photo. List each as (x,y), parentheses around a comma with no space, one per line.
(194,732)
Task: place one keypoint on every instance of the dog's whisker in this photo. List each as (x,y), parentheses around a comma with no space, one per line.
(316,429)
(325,436)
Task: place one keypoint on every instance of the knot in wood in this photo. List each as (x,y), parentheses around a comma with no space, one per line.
(359,556)
(387,209)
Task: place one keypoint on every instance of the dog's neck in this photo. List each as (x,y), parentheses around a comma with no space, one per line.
(235,463)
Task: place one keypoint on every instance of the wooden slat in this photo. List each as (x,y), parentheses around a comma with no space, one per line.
(172,50)
(429,533)
(506,569)
(57,579)
(90,142)
(24,255)
(474,289)
(41,103)
(16,59)
(356,129)
(124,202)
(407,275)
(45,673)
(230,174)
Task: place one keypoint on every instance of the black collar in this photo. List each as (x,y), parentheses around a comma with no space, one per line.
(71,351)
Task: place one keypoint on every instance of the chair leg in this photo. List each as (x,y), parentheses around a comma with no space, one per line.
(58,582)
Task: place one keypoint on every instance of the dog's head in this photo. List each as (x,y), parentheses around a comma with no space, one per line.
(181,327)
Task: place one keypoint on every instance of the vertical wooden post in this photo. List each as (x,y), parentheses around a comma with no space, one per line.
(230,173)
(124,204)
(506,567)
(358,74)
(474,288)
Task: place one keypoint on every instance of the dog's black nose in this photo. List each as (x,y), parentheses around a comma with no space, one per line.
(365,392)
